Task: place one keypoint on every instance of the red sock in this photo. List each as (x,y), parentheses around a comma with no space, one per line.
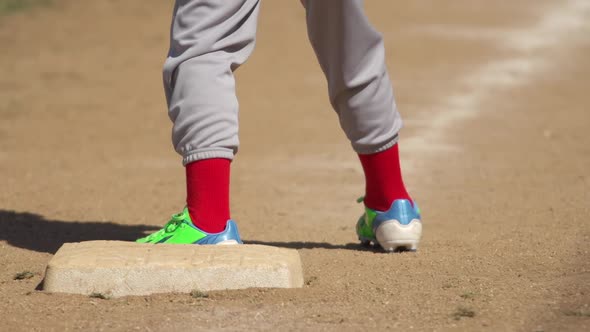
(383,178)
(207,193)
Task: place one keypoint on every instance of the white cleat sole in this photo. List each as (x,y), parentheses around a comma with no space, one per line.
(227,243)
(393,236)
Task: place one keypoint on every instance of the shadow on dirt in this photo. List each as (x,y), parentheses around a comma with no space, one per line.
(34,232)
(313,245)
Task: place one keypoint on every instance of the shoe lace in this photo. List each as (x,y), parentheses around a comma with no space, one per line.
(170,226)
(174,223)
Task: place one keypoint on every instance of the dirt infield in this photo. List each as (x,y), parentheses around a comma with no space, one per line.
(496,150)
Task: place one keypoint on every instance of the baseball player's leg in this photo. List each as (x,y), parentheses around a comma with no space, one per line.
(351,54)
(209,39)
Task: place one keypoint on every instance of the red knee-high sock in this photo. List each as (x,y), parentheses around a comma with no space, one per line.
(207,193)
(383,178)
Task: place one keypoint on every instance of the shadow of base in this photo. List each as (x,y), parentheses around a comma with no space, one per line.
(34,232)
(315,245)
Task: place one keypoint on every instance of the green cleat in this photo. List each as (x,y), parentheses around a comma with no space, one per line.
(180,230)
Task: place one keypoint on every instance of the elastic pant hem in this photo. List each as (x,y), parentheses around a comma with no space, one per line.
(202,154)
(375,149)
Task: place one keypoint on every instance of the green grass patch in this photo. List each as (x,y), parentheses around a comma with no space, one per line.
(99,296)
(12,6)
(577,313)
(462,312)
(468,295)
(24,275)
(311,280)
(197,294)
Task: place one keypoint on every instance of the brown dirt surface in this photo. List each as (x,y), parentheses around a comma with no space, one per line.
(496,150)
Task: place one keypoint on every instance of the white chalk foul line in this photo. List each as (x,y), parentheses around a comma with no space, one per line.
(558,27)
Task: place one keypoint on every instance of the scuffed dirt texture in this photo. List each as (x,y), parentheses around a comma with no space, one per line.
(85,154)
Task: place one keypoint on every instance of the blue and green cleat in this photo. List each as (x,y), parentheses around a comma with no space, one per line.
(397,229)
(180,230)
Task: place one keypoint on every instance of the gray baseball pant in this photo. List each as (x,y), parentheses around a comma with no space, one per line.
(210,39)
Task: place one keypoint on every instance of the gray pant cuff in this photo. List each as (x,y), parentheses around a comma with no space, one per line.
(210,153)
(376,149)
